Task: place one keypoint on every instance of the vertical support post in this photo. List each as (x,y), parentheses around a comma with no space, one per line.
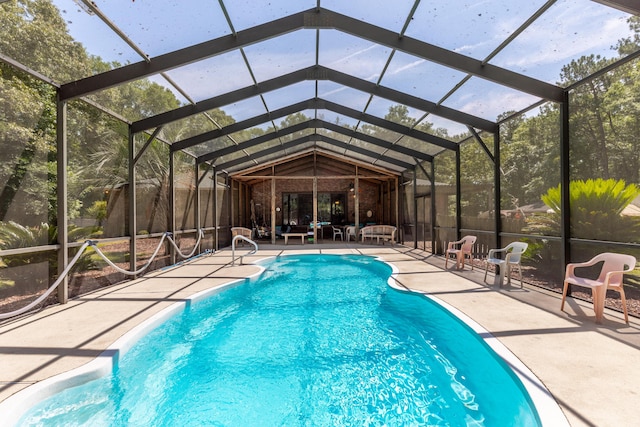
(61,195)
(196,213)
(380,209)
(273,209)
(232,216)
(172,203)
(316,235)
(216,218)
(497,192)
(433,208)
(415,208)
(397,203)
(389,204)
(241,222)
(133,210)
(229,187)
(458,194)
(399,233)
(565,177)
(356,204)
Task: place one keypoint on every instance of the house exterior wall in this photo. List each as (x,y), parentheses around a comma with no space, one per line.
(369,196)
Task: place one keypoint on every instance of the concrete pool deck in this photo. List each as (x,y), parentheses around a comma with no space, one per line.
(591,370)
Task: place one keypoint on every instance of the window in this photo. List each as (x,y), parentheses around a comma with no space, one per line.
(298,208)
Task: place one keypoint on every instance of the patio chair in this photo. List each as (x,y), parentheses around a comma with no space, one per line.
(241,231)
(461,248)
(610,277)
(512,258)
(351,231)
(337,232)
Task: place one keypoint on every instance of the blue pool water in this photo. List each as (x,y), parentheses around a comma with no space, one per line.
(316,340)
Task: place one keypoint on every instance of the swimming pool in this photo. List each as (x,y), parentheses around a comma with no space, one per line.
(317,340)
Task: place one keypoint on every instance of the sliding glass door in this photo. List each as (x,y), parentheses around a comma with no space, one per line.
(298,208)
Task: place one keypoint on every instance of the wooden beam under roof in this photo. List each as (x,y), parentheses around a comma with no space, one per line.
(265,171)
(296,167)
(332,164)
(267,167)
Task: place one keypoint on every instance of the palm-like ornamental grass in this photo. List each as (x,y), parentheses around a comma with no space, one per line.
(596,207)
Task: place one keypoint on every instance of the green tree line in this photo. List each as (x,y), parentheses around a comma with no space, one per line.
(604,125)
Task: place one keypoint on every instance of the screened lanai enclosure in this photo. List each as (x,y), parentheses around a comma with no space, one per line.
(141,131)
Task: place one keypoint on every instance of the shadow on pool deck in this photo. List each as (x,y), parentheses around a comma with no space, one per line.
(590,369)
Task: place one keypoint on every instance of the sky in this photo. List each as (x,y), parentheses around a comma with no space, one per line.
(567,30)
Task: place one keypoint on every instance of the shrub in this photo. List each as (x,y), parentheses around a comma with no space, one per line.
(14,235)
(99,211)
(596,207)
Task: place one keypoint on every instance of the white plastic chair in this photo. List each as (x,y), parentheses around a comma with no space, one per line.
(351,231)
(610,277)
(512,258)
(461,249)
(337,232)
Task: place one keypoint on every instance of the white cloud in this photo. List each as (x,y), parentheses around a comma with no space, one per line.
(331,92)
(409,66)
(475,47)
(353,55)
(362,62)
(491,105)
